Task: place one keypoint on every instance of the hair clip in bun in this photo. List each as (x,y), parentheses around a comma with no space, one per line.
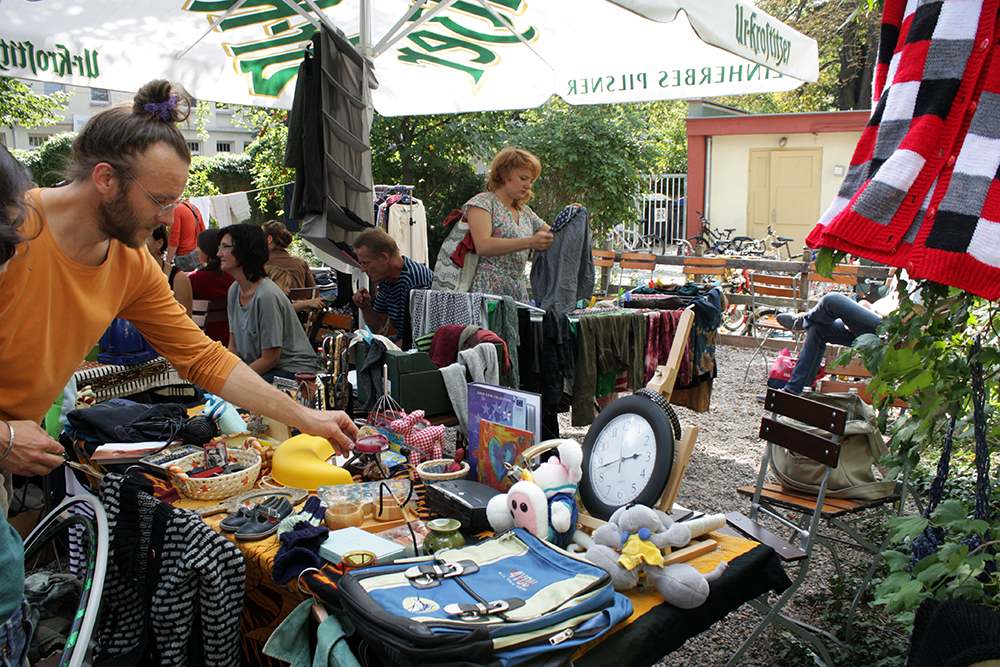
(162,109)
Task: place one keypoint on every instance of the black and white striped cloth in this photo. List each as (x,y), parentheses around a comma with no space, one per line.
(168,572)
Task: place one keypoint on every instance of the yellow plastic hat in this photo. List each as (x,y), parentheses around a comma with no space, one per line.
(301,462)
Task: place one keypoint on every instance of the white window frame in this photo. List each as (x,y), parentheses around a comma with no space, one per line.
(99,102)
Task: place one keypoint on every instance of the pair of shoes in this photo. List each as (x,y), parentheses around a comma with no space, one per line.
(792,322)
(265,520)
(238,519)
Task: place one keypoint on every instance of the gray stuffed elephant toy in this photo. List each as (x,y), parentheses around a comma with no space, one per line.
(632,542)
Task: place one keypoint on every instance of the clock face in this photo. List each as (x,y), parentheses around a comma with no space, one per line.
(627,456)
(622,459)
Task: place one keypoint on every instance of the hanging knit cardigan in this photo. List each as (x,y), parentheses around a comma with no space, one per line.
(172,582)
(922,191)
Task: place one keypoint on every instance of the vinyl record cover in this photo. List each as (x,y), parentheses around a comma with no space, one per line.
(498,445)
(504,406)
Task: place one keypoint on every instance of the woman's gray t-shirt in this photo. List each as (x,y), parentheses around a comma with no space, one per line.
(270,321)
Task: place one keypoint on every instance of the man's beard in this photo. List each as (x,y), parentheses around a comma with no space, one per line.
(118,220)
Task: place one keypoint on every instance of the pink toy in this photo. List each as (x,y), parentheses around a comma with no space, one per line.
(423,439)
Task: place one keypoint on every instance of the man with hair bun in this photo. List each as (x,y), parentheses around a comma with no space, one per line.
(83,265)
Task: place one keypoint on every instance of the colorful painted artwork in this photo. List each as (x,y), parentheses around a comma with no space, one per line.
(500,445)
(504,406)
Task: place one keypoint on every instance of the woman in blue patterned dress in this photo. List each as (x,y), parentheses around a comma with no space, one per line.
(503,228)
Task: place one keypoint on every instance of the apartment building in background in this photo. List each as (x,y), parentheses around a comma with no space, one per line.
(224,135)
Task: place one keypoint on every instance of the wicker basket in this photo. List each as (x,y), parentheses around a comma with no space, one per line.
(434,471)
(220,486)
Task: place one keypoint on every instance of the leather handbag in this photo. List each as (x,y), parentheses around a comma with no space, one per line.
(860,450)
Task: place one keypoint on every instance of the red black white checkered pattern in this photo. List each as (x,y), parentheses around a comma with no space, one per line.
(923,190)
(425,440)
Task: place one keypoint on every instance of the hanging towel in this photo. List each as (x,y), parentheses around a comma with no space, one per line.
(239,205)
(431,309)
(220,211)
(204,206)
(458,391)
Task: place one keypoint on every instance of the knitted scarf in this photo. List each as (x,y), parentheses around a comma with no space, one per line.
(922,191)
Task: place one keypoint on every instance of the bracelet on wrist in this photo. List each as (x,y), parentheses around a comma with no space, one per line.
(10,444)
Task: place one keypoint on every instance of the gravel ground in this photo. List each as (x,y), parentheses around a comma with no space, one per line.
(726,456)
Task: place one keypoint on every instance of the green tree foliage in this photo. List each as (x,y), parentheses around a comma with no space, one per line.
(199,184)
(437,154)
(47,162)
(266,155)
(847,33)
(591,154)
(21,106)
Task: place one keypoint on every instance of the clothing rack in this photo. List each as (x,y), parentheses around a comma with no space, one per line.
(536,312)
(401,189)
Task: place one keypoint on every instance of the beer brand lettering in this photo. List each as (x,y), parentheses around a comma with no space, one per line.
(761,38)
(24,56)
(453,43)
(669,78)
(272,61)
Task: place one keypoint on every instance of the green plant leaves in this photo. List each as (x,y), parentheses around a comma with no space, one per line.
(906,527)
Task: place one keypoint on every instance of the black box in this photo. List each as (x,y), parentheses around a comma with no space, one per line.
(461,499)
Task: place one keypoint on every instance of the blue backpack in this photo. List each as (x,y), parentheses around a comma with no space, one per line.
(499,602)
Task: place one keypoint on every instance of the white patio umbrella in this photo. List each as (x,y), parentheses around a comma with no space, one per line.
(444,57)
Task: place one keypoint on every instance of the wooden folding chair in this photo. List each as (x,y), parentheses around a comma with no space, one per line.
(766,290)
(207,311)
(704,269)
(843,279)
(853,375)
(641,261)
(803,513)
(302,293)
(605,261)
(322,323)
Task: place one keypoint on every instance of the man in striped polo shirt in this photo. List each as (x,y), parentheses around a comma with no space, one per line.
(395,275)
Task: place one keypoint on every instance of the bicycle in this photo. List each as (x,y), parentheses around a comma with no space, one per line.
(778,242)
(714,243)
(628,240)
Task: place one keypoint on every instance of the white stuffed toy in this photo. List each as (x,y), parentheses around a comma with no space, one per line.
(544,501)
(632,542)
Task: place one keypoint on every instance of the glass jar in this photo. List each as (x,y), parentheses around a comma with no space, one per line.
(443,535)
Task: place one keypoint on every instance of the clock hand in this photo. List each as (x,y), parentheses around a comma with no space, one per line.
(611,463)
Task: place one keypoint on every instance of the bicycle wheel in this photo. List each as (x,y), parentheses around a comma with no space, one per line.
(655,244)
(735,318)
(758,315)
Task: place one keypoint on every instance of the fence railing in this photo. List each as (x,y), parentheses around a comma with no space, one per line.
(661,207)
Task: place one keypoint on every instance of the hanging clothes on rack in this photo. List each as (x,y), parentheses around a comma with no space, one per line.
(430,309)
(404,218)
(328,146)
(606,343)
